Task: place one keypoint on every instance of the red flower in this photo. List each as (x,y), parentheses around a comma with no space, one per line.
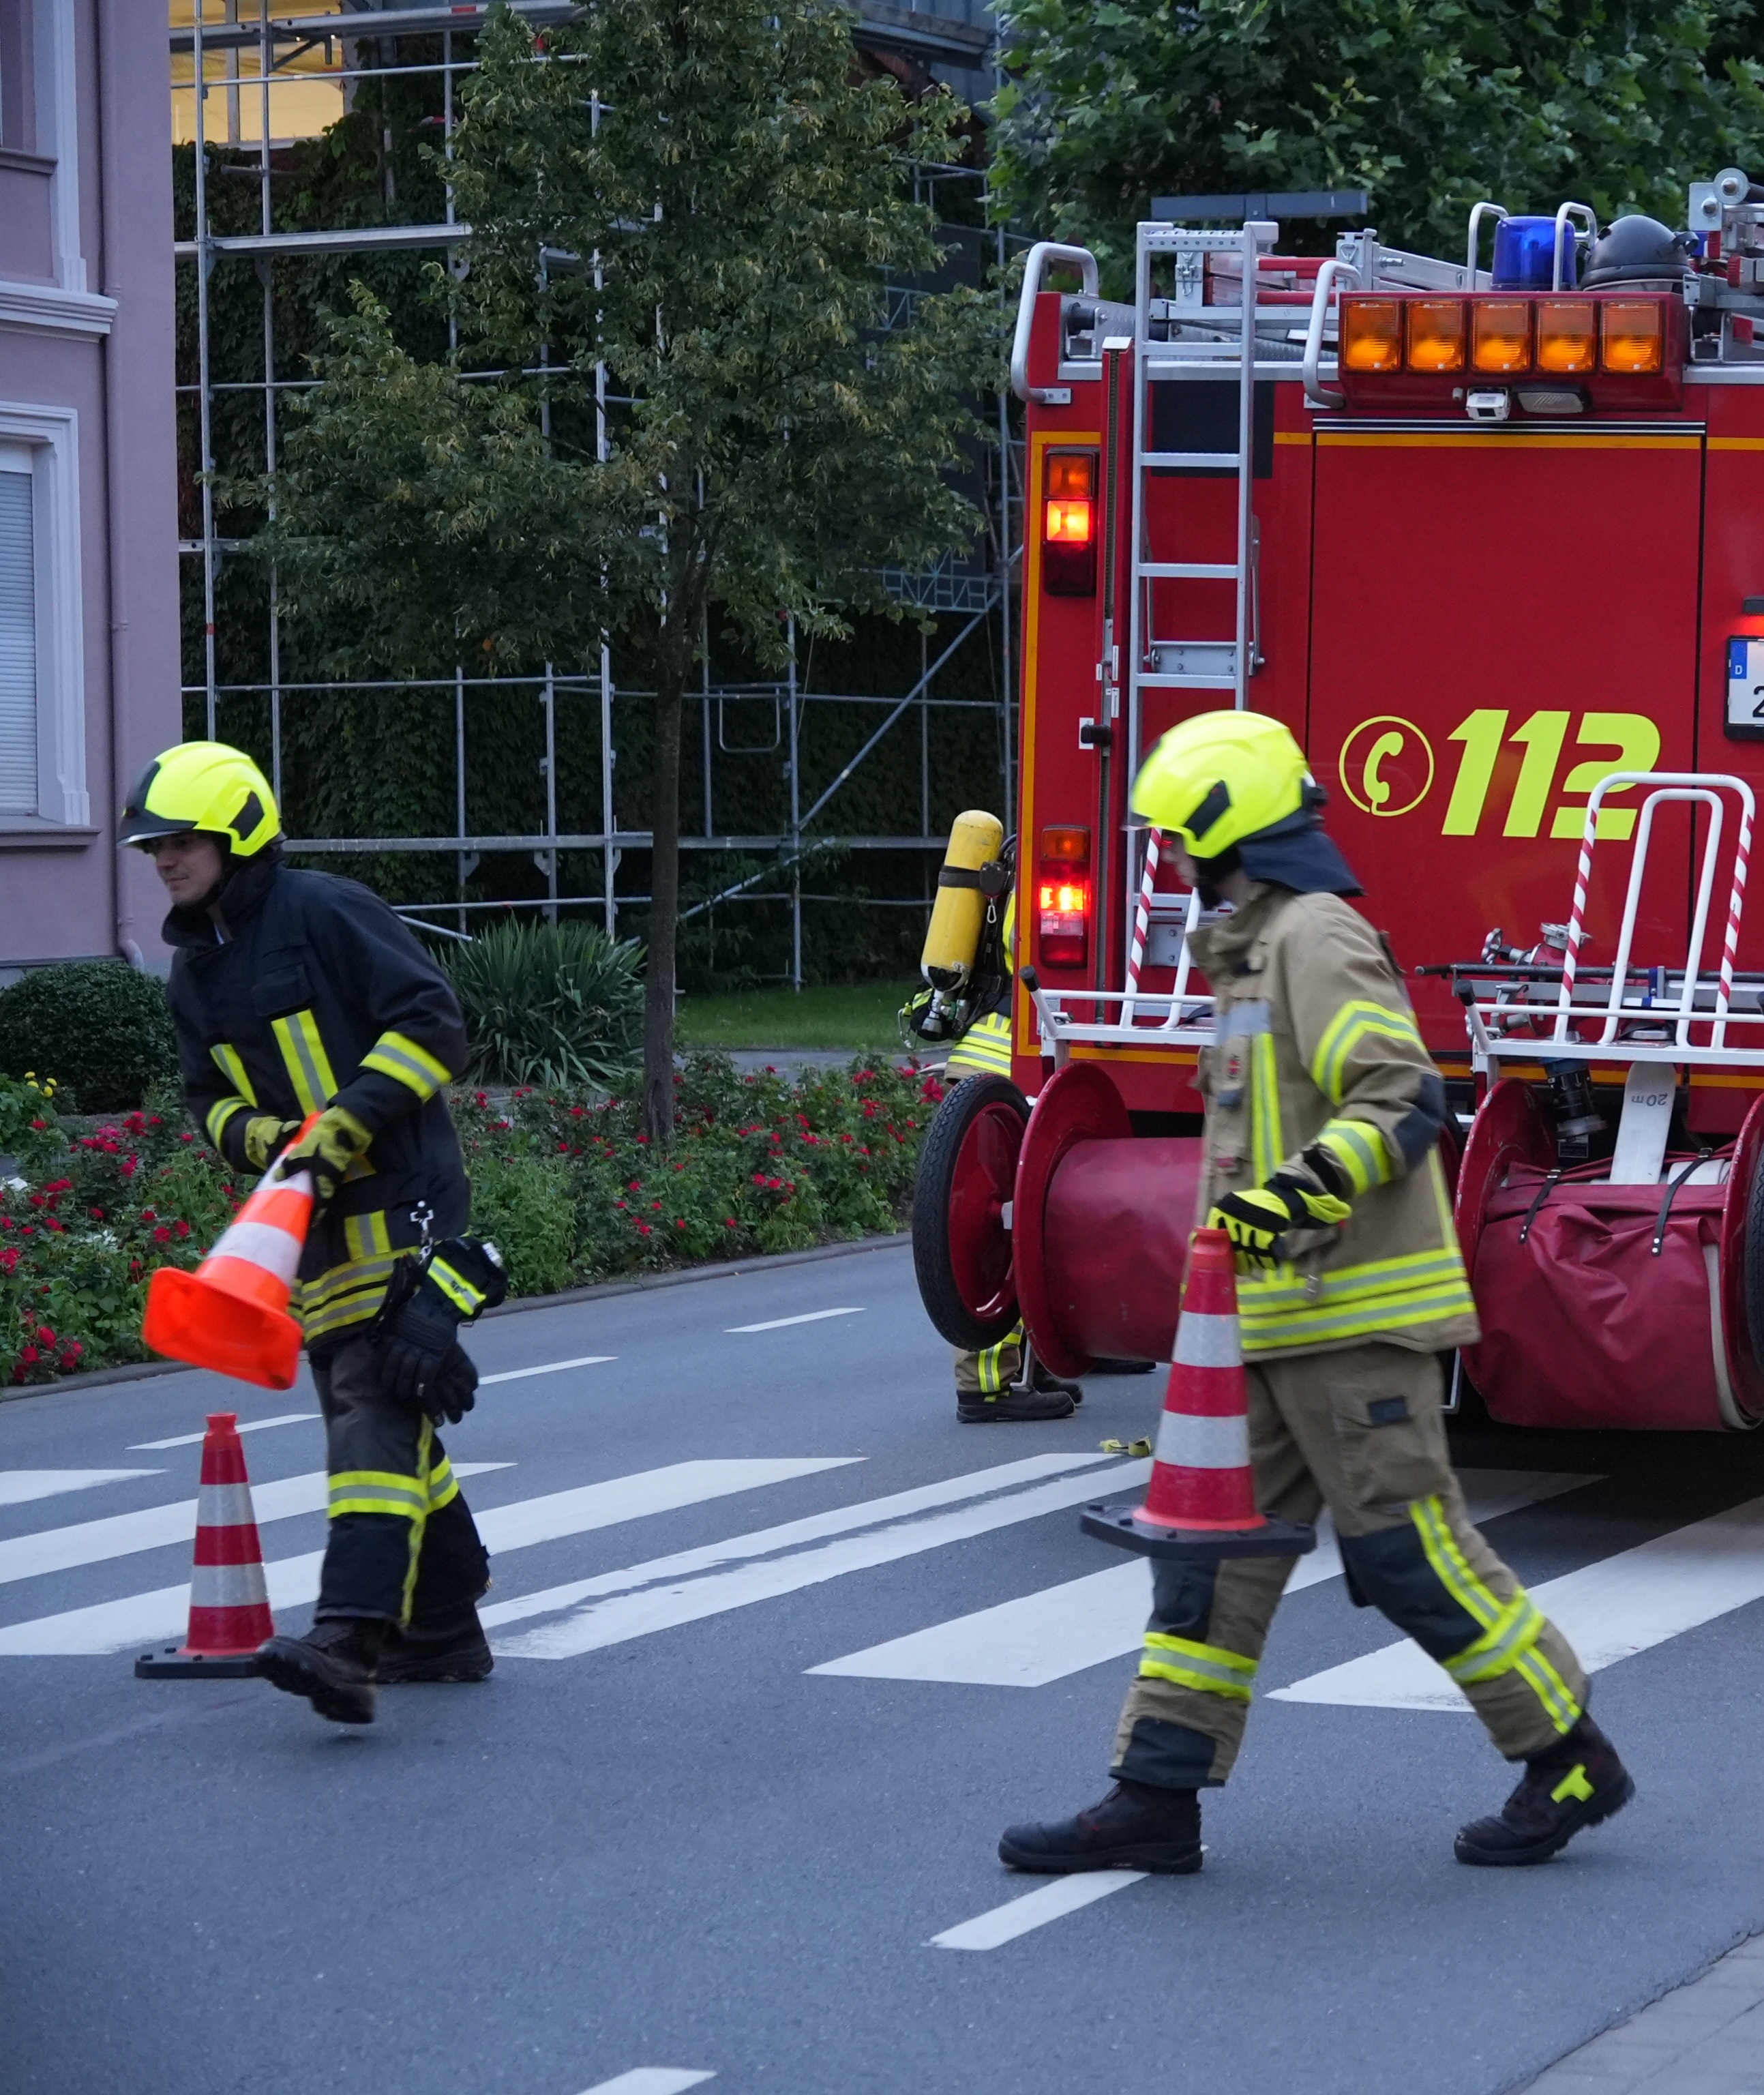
(44,1336)
(679,1222)
(162,1234)
(37,1201)
(52,1224)
(642,1138)
(655,1204)
(729,1223)
(149,1215)
(28,1356)
(183,1229)
(618,1204)
(643,1229)
(97,1214)
(636,1186)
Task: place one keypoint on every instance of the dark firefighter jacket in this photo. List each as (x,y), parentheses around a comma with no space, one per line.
(321,995)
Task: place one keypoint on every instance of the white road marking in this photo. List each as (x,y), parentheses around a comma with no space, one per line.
(246,1425)
(293,1581)
(777,1323)
(1063,1629)
(611,1612)
(550,1367)
(1034,1909)
(18,1486)
(651,2080)
(156,1527)
(1608,1611)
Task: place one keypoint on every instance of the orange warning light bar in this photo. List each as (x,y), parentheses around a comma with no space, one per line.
(1371,335)
(1631,335)
(1435,332)
(1566,336)
(1500,334)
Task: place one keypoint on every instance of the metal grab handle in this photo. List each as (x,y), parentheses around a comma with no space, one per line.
(1583,210)
(1501,215)
(1317,395)
(1044,252)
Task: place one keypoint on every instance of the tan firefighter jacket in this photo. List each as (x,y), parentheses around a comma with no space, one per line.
(1314,1036)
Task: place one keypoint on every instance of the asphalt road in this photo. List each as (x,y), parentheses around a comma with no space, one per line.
(659,1838)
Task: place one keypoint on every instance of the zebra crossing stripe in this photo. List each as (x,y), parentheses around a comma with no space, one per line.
(1045,1635)
(1609,1611)
(19,1487)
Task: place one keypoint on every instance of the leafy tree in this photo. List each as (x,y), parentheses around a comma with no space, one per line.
(1428,104)
(702,195)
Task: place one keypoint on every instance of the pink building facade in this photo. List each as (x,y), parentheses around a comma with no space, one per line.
(88,601)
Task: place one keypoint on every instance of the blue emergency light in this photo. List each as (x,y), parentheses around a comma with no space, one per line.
(1525,254)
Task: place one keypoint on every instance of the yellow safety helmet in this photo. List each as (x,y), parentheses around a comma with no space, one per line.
(202,786)
(1216,779)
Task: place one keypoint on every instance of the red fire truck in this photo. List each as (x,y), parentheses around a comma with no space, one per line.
(1489,535)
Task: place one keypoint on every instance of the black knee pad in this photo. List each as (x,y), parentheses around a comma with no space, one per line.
(1182,1597)
(1391,1569)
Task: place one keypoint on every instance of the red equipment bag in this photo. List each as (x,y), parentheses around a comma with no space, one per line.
(1587,1323)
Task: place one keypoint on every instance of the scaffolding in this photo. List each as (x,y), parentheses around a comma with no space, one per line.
(230,58)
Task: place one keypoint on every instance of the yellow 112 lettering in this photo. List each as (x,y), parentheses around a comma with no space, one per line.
(1633,737)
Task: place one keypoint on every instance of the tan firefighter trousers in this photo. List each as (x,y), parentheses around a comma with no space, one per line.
(1360,1432)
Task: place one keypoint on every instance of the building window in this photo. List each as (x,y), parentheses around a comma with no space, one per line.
(42,673)
(18,634)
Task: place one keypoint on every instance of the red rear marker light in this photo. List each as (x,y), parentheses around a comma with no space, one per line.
(1063,899)
(1069,524)
(1500,334)
(1566,331)
(1631,335)
(1435,334)
(1371,335)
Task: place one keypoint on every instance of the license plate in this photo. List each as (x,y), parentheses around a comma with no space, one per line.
(1745,690)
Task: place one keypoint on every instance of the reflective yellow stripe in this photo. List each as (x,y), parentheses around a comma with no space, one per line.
(220,1112)
(1510,1631)
(1395,1312)
(989,1366)
(1355,1021)
(232,1066)
(1359,1149)
(424,1447)
(986,1045)
(1267,1151)
(458,1290)
(344,1295)
(365,1238)
(1206,1667)
(397,1055)
(1265,1295)
(303,1054)
(443,1486)
(377,1491)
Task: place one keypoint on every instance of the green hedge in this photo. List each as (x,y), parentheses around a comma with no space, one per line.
(563,1181)
(102,1030)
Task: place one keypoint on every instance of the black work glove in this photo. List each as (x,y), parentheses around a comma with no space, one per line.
(422,1363)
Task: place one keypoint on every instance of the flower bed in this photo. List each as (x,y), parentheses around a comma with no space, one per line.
(562,1181)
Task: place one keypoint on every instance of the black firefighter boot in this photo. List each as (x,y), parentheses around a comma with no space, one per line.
(1037,1395)
(334,1666)
(1578,1781)
(1136,1826)
(450,1645)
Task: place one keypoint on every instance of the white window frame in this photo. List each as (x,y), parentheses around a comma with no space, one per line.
(66,307)
(51,435)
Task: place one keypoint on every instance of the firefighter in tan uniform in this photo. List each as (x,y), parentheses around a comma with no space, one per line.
(1323,1115)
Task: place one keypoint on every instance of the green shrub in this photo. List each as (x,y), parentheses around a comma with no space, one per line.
(102,1030)
(564,1180)
(550,1003)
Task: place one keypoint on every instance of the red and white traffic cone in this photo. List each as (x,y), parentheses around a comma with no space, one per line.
(228,1602)
(1201,1501)
(231,1314)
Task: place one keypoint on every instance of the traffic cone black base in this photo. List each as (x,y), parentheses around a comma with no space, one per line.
(1121,1525)
(452,1648)
(1136,1826)
(335,1666)
(1579,1782)
(172,1663)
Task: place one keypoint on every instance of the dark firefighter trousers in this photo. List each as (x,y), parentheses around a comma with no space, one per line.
(1360,1432)
(403,1546)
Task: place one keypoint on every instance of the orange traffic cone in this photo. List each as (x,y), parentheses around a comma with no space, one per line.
(1201,1502)
(231,1314)
(228,1602)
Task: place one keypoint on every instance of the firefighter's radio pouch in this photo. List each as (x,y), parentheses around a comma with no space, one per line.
(441,1286)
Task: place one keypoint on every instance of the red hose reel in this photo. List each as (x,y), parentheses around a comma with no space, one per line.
(1601,1306)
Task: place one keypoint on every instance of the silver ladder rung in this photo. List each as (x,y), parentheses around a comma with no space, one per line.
(1187,571)
(1230,462)
(1155,679)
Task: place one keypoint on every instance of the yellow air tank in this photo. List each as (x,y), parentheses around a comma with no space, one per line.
(953,937)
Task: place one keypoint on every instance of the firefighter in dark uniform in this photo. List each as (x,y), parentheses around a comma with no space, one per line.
(300,997)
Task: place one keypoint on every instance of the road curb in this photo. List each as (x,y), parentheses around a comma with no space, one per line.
(639,1284)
